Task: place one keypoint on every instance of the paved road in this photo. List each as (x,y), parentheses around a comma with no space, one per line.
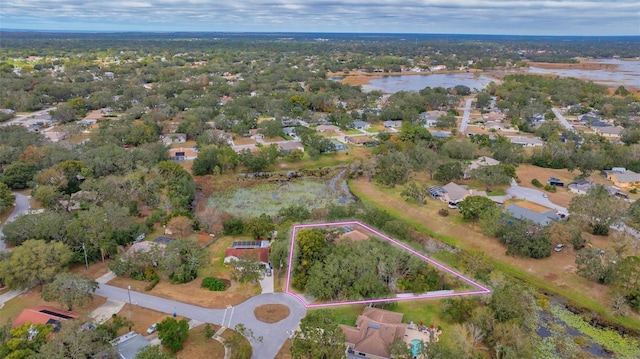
(22,206)
(17,119)
(465,116)
(562,120)
(274,335)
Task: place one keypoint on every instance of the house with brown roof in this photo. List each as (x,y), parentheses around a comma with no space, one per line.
(375,330)
(289,146)
(259,253)
(327,128)
(358,140)
(44,315)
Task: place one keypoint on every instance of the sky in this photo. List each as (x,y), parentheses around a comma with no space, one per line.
(500,17)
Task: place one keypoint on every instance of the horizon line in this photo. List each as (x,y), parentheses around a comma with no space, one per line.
(69,31)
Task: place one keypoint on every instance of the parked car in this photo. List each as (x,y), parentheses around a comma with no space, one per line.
(152,328)
(559,247)
(545,195)
(268,272)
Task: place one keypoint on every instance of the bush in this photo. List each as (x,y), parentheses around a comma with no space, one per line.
(536,183)
(233,226)
(213,284)
(155,279)
(443,212)
(550,188)
(634,191)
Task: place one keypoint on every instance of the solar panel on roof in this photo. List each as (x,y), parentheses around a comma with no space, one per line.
(54,314)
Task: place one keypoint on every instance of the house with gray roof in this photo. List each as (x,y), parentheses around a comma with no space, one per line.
(360,125)
(526,141)
(622,177)
(541,218)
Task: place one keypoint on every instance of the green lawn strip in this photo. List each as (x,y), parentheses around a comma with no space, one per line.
(417,225)
(575,297)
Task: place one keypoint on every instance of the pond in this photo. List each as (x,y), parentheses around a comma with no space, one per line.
(626,73)
(393,84)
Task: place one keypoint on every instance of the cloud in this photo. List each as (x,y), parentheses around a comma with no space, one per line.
(550,17)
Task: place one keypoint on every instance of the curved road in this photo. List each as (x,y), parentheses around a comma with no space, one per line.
(274,335)
(22,207)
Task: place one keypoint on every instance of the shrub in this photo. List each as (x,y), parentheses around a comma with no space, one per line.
(213,284)
(550,188)
(155,279)
(536,183)
(443,212)
(634,191)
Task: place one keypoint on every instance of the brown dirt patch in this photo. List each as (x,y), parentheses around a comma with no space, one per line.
(271,313)
(533,206)
(95,271)
(142,318)
(244,141)
(355,235)
(199,346)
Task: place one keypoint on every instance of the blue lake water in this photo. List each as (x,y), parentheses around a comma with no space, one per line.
(626,73)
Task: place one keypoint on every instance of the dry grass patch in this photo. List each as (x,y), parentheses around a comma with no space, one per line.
(31,298)
(533,206)
(285,351)
(271,313)
(238,141)
(95,271)
(198,346)
(141,317)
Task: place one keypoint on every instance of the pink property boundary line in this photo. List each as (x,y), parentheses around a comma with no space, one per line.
(484,290)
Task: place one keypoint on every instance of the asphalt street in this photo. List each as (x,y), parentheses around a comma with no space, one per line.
(22,206)
(273,335)
(465,116)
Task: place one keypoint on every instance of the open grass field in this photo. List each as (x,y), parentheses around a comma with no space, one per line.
(554,274)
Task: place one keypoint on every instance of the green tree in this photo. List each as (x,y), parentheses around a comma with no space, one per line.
(271,129)
(182,259)
(173,333)
(6,197)
(18,175)
(592,264)
(294,213)
(69,289)
(259,227)
(152,352)
(494,175)
(633,215)
(598,209)
(25,341)
(319,337)
(310,247)
(473,207)
(64,113)
(413,191)
(246,269)
(447,120)
(393,168)
(448,171)
(35,262)
(75,342)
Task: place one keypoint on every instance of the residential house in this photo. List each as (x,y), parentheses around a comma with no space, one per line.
(542,217)
(182,154)
(289,131)
(129,344)
(581,186)
(327,128)
(44,315)
(55,136)
(374,332)
(144,246)
(255,135)
(526,141)
(479,162)
(258,250)
(392,124)
(454,193)
(622,177)
(360,125)
(289,146)
(609,131)
(430,117)
(440,134)
(173,138)
(358,140)
(494,116)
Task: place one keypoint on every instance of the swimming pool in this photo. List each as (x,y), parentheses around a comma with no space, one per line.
(416,347)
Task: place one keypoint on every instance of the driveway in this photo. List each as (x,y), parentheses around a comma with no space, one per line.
(562,120)
(535,196)
(274,335)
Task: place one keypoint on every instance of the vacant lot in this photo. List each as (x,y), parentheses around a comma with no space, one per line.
(557,271)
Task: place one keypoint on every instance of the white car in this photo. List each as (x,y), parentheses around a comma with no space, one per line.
(545,195)
(152,328)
